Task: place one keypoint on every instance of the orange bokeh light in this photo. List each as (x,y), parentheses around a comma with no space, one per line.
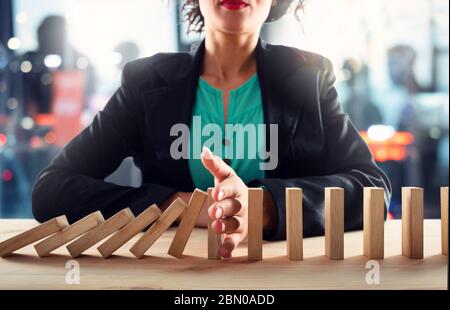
(394,148)
(50,137)
(45,119)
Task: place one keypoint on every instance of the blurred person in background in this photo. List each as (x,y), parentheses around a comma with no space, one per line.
(359,106)
(123,53)
(233,77)
(54,53)
(128,51)
(402,59)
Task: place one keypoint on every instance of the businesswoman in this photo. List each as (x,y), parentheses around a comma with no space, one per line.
(233,77)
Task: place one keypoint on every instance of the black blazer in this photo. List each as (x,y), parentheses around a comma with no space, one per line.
(318,145)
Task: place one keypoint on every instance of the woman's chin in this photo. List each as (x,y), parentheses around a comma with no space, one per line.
(234,29)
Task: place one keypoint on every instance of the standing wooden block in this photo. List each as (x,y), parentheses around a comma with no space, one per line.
(187,223)
(444,220)
(334,223)
(158,228)
(99,233)
(214,240)
(143,220)
(412,222)
(255,223)
(294,223)
(374,222)
(30,236)
(45,247)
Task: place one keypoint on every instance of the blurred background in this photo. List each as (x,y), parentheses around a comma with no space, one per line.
(60,61)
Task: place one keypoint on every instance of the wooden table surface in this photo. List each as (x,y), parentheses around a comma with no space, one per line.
(157,270)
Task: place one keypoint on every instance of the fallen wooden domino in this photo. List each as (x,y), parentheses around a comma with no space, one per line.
(45,247)
(214,239)
(294,223)
(412,222)
(100,232)
(158,228)
(33,235)
(334,223)
(373,222)
(143,220)
(187,223)
(444,220)
(255,224)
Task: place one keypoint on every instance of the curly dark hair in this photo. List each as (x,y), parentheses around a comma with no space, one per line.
(196,23)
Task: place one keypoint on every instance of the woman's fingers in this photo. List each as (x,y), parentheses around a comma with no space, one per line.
(228,193)
(225,208)
(229,244)
(227,225)
(215,165)
(229,188)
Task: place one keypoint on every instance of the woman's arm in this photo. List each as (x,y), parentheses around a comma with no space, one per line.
(348,164)
(73,184)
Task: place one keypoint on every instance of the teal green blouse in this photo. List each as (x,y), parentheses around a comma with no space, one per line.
(240,142)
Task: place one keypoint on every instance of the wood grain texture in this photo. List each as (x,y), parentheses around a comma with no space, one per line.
(187,223)
(137,225)
(294,223)
(412,222)
(24,270)
(374,222)
(45,247)
(100,232)
(33,235)
(255,224)
(214,240)
(158,228)
(334,223)
(444,220)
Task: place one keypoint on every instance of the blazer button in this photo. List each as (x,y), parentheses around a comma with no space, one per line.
(227,161)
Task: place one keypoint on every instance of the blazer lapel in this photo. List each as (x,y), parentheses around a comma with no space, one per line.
(171,105)
(280,94)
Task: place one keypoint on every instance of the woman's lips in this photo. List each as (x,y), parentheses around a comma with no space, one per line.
(233,5)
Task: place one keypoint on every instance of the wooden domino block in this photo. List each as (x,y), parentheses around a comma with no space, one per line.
(374,222)
(187,223)
(334,223)
(412,222)
(214,240)
(143,220)
(45,247)
(444,220)
(99,233)
(255,223)
(158,228)
(294,223)
(33,235)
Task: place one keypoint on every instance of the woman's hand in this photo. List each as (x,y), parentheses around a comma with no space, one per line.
(229,210)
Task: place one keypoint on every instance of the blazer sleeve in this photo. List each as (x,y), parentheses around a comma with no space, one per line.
(73,183)
(348,164)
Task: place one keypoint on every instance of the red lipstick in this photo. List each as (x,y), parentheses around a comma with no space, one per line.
(233,5)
